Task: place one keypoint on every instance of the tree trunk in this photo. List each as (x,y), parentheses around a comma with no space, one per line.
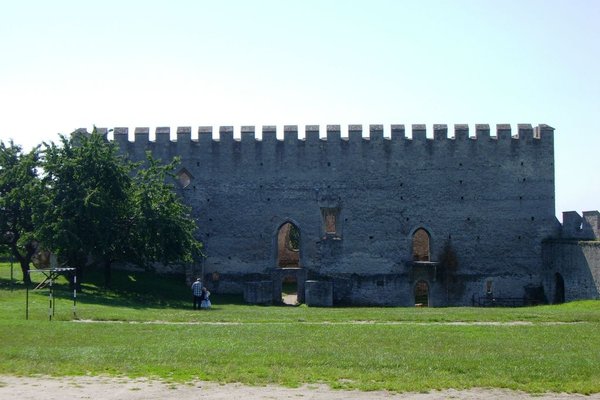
(107,273)
(25,270)
(23,261)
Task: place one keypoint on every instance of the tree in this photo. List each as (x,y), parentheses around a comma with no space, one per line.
(19,189)
(81,215)
(163,229)
(99,207)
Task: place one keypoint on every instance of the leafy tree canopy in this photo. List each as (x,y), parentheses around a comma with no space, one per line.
(97,206)
(19,189)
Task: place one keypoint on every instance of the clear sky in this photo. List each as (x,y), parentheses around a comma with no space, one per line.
(71,64)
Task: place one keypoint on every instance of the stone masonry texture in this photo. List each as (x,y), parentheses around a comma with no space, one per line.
(485,201)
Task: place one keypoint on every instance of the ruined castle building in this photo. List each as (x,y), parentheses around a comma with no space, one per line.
(451,219)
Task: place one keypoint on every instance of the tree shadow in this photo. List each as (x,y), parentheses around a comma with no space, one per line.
(131,289)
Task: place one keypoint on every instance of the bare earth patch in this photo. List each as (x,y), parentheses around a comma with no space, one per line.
(105,388)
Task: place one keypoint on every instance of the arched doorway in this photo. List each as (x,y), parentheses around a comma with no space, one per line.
(421,294)
(421,245)
(288,264)
(288,246)
(559,289)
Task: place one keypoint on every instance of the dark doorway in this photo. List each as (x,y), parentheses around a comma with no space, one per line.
(288,285)
(559,289)
(289,291)
(288,246)
(421,294)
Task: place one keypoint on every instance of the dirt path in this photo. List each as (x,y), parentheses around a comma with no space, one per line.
(102,388)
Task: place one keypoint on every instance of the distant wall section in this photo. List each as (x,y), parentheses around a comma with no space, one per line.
(572,263)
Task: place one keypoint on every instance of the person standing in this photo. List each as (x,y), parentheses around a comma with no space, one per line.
(205,304)
(197,293)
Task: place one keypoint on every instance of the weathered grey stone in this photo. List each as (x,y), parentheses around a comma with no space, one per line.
(486,204)
(258,292)
(572,270)
(318,293)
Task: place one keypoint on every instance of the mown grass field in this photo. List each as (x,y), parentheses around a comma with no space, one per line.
(144,326)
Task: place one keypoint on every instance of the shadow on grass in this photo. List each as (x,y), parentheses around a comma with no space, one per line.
(132,289)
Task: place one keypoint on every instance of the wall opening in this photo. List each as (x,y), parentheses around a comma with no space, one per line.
(421,245)
(288,285)
(184,178)
(288,246)
(289,291)
(559,289)
(489,288)
(421,294)
(331,226)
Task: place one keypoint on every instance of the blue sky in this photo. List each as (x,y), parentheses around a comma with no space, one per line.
(70,64)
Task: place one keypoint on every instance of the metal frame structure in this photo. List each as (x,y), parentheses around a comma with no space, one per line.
(50,276)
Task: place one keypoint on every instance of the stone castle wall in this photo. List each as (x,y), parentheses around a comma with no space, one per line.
(577,265)
(572,261)
(490,197)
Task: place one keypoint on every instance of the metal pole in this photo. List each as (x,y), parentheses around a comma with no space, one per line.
(11,274)
(50,305)
(53,302)
(27,302)
(75,296)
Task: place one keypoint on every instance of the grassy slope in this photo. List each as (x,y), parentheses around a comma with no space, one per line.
(399,349)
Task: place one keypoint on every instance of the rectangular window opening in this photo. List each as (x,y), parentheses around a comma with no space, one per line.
(331,221)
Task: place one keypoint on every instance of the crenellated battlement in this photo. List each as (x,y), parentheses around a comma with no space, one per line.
(378,209)
(586,227)
(359,194)
(354,133)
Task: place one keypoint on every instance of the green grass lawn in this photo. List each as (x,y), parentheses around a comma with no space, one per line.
(552,348)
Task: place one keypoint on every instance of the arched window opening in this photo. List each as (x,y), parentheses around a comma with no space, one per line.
(421,245)
(288,246)
(559,289)
(421,294)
